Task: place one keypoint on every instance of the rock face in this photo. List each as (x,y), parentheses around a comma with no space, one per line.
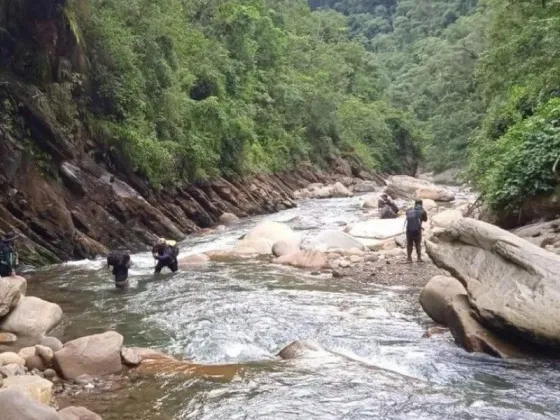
(378,228)
(332,239)
(32,317)
(409,187)
(77,413)
(513,285)
(438,294)
(33,387)
(95,355)
(469,333)
(10,294)
(17,406)
(314,260)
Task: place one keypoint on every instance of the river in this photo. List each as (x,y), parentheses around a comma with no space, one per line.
(246,312)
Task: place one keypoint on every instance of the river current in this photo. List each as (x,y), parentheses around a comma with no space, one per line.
(246,312)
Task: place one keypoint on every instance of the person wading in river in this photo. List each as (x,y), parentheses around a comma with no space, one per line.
(119,259)
(165,252)
(414,218)
(8,255)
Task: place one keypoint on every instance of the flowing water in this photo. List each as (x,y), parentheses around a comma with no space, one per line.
(246,312)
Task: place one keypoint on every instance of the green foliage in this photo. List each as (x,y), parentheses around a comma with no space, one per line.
(190,89)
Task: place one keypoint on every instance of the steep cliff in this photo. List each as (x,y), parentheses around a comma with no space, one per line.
(66,191)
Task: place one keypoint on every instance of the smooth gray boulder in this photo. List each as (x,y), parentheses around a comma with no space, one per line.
(332,239)
(16,406)
(438,294)
(32,317)
(513,284)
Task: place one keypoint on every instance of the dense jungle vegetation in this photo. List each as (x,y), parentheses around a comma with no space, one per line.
(192,89)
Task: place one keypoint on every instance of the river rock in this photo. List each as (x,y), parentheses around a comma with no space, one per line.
(10,294)
(438,294)
(18,282)
(261,246)
(429,205)
(513,284)
(300,349)
(51,342)
(340,191)
(310,259)
(9,358)
(470,334)
(26,352)
(371,201)
(7,338)
(33,387)
(378,229)
(77,413)
(434,193)
(272,231)
(332,239)
(448,177)
(282,248)
(130,357)
(35,362)
(13,369)
(408,187)
(32,317)
(542,234)
(228,219)
(95,355)
(45,353)
(365,186)
(233,254)
(17,406)
(145,354)
(445,218)
(193,260)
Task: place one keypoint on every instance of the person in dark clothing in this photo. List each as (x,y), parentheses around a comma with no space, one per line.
(8,255)
(387,208)
(165,252)
(414,218)
(119,259)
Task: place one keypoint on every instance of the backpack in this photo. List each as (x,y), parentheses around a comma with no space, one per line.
(174,247)
(413,223)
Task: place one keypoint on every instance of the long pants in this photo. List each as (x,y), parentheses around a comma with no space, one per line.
(121,277)
(414,240)
(173,266)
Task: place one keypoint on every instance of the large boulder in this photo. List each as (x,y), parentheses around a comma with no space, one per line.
(228,219)
(371,201)
(94,355)
(10,294)
(429,205)
(438,294)
(33,387)
(261,246)
(282,248)
(408,187)
(378,228)
(340,191)
(18,282)
(541,234)
(77,413)
(17,406)
(332,239)
(51,342)
(470,334)
(193,260)
(513,284)
(9,358)
(314,260)
(273,231)
(32,317)
(445,218)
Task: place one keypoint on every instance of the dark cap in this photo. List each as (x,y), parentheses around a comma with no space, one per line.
(418,202)
(10,236)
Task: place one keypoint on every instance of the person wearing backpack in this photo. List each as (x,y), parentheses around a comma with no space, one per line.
(166,253)
(119,259)
(414,218)
(8,255)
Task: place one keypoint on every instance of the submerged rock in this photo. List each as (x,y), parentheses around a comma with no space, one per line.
(299,350)
(513,284)
(32,317)
(438,294)
(77,413)
(95,355)
(192,260)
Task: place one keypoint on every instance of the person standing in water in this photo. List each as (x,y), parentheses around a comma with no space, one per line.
(414,218)
(165,252)
(119,259)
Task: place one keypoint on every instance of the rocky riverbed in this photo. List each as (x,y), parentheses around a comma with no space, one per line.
(328,276)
